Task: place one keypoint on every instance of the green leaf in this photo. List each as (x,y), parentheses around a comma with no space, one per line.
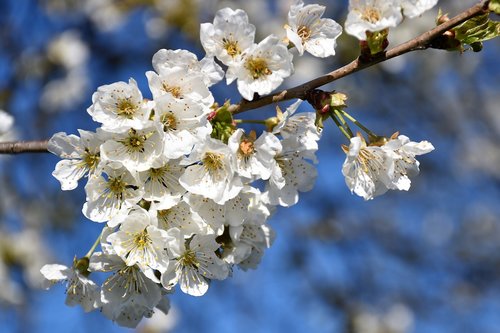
(477,30)
(494,6)
(222,123)
(377,41)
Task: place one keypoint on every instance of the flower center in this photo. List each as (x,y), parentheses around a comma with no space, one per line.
(370,162)
(142,239)
(116,186)
(90,160)
(163,218)
(158,172)
(246,148)
(125,108)
(128,279)
(173,90)
(189,259)
(169,121)
(257,67)
(231,47)
(304,33)
(134,142)
(213,163)
(370,14)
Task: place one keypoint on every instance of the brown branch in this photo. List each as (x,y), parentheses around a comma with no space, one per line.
(23,147)
(419,43)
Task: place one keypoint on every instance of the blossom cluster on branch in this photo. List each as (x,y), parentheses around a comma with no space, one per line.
(183,191)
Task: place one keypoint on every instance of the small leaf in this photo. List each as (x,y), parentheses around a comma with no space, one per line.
(476,30)
(377,41)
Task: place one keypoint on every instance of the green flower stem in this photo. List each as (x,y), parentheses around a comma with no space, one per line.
(341,128)
(97,241)
(343,122)
(351,118)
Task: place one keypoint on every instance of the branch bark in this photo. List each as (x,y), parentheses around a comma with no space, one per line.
(24,147)
(419,43)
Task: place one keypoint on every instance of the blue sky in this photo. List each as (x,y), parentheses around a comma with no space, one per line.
(433,250)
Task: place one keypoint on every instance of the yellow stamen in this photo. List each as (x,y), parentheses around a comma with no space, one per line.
(125,108)
(257,67)
(232,48)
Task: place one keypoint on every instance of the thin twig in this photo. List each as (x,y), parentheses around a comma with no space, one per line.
(24,147)
(418,43)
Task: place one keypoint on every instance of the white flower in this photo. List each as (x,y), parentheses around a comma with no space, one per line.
(372,170)
(120,106)
(79,289)
(130,293)
(291,174)
(193,264)
(68,49)
(134,149)
(180,216)
(180,83)
(282,117)
(161,181)
(208,210)
(210,172)
(414,8)
(308,31)
(112,193)
(254,157)
(6,123)
(371,15)
(229,36)
(183,123)
(80,156)
(262,69)
(234,212)
(367,169)
(248,244)
(299,129)
(165,59)
(406,166)
(139,241)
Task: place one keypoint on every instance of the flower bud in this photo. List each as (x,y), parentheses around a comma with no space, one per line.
(82,265)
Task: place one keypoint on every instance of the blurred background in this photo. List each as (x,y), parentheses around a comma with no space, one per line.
(423,261)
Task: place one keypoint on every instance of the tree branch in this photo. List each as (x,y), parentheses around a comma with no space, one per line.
(24,147)
(418,43)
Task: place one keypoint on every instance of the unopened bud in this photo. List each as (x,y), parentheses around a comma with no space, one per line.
(318,98)
(442,18)
(270,123)
(338,100)
(325,109)
(81,265)
(377,140)
(211,115)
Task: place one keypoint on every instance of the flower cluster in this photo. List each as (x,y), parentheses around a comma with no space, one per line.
(261,68)
(180,204)
(370,170)
(184,195)
(377,15)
